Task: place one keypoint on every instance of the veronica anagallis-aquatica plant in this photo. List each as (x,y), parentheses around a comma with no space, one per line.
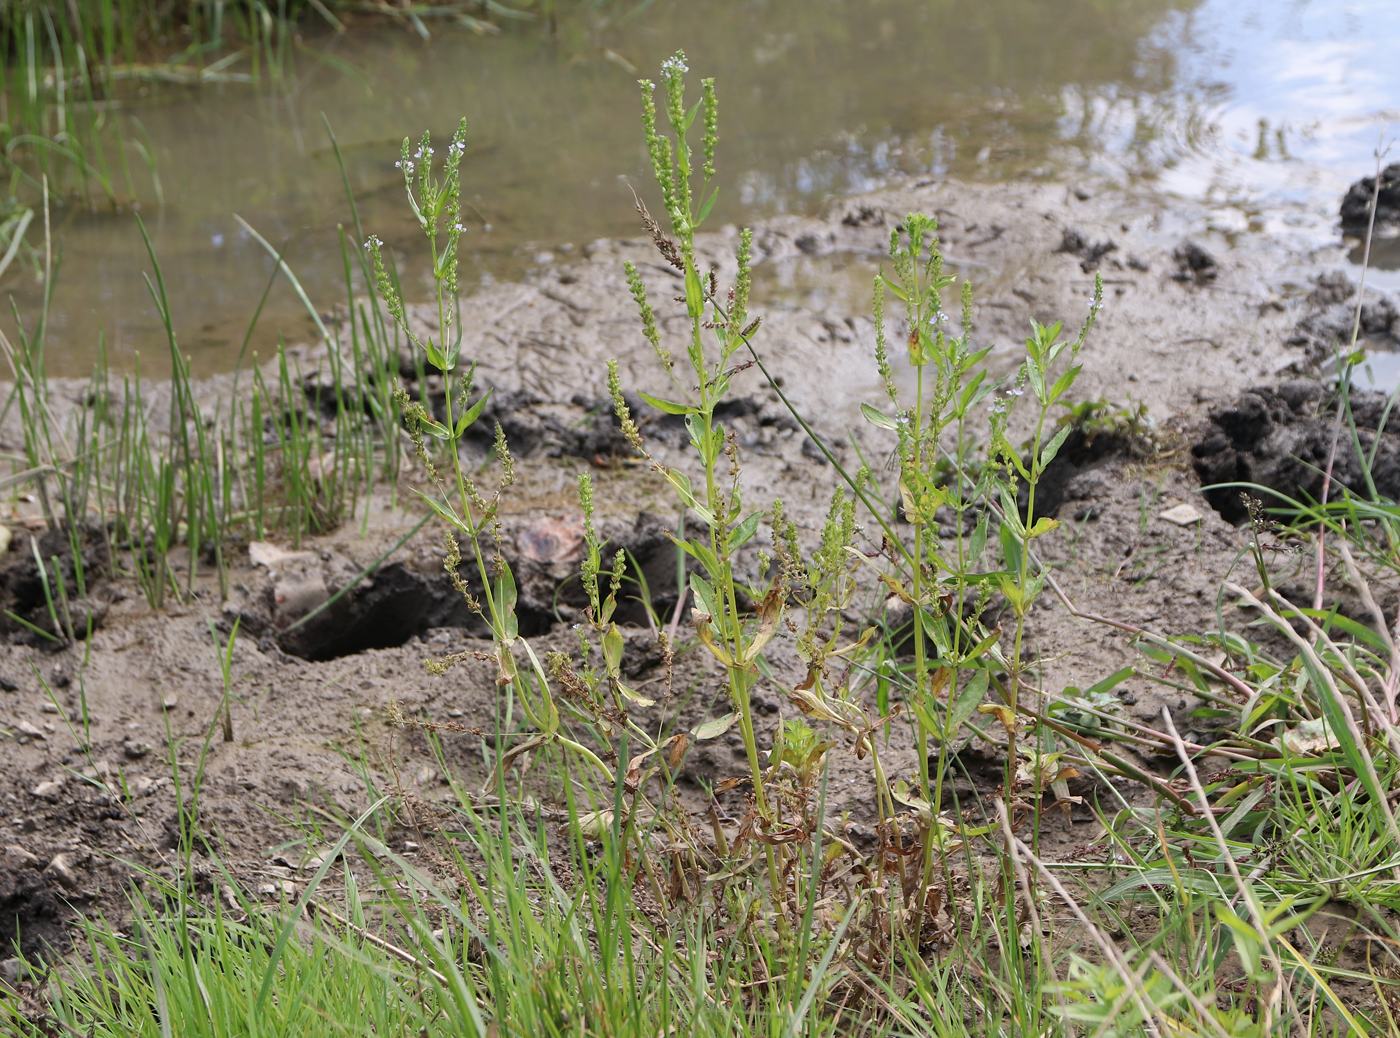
(470,513)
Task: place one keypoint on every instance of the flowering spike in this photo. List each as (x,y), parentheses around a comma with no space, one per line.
(648,315)
(711,125)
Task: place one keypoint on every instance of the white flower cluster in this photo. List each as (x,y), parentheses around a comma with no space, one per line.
(674,66)
(455,150)
(373,242)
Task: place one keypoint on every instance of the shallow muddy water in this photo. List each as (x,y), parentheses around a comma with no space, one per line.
(1263,110)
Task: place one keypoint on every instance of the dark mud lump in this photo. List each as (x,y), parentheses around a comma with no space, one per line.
(1279,438)
(1356,204)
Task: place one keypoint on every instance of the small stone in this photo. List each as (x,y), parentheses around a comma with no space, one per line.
(270,556)
(60,868)
(99,771)
(48,789)
(547,539)
(409,846)
(48,707)
(28,731)
(170,701)
(296,595)
(7,685)
(1181,515)
(11,970)
(19,856)
(134,749)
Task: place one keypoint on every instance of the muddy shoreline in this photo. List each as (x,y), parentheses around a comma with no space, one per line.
(1194,324)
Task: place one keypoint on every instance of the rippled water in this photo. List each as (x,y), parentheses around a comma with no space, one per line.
(1265,109)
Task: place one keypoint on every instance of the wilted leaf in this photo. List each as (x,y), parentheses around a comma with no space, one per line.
(1003,713)
(675,747)
(896,588)
(1307,737)
(714,728)
(707,637)
(632,695)
(768,613)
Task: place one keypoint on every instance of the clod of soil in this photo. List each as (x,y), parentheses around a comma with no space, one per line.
(1356,204)
(1280,437)
(1074,477)
(32,908)
(1089,252)
(399,602)
(534,425)
(1194,264)
(22,586)
(1331,315)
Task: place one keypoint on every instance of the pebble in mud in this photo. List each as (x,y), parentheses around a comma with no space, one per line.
(48,789)
(60,868)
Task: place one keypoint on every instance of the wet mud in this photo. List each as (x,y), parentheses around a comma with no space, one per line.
(331,699)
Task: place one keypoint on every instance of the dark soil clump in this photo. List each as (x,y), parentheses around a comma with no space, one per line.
(1280,438)
(1089,252)
(30,599)
(1356,204)
(32,910)
(1194,264)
